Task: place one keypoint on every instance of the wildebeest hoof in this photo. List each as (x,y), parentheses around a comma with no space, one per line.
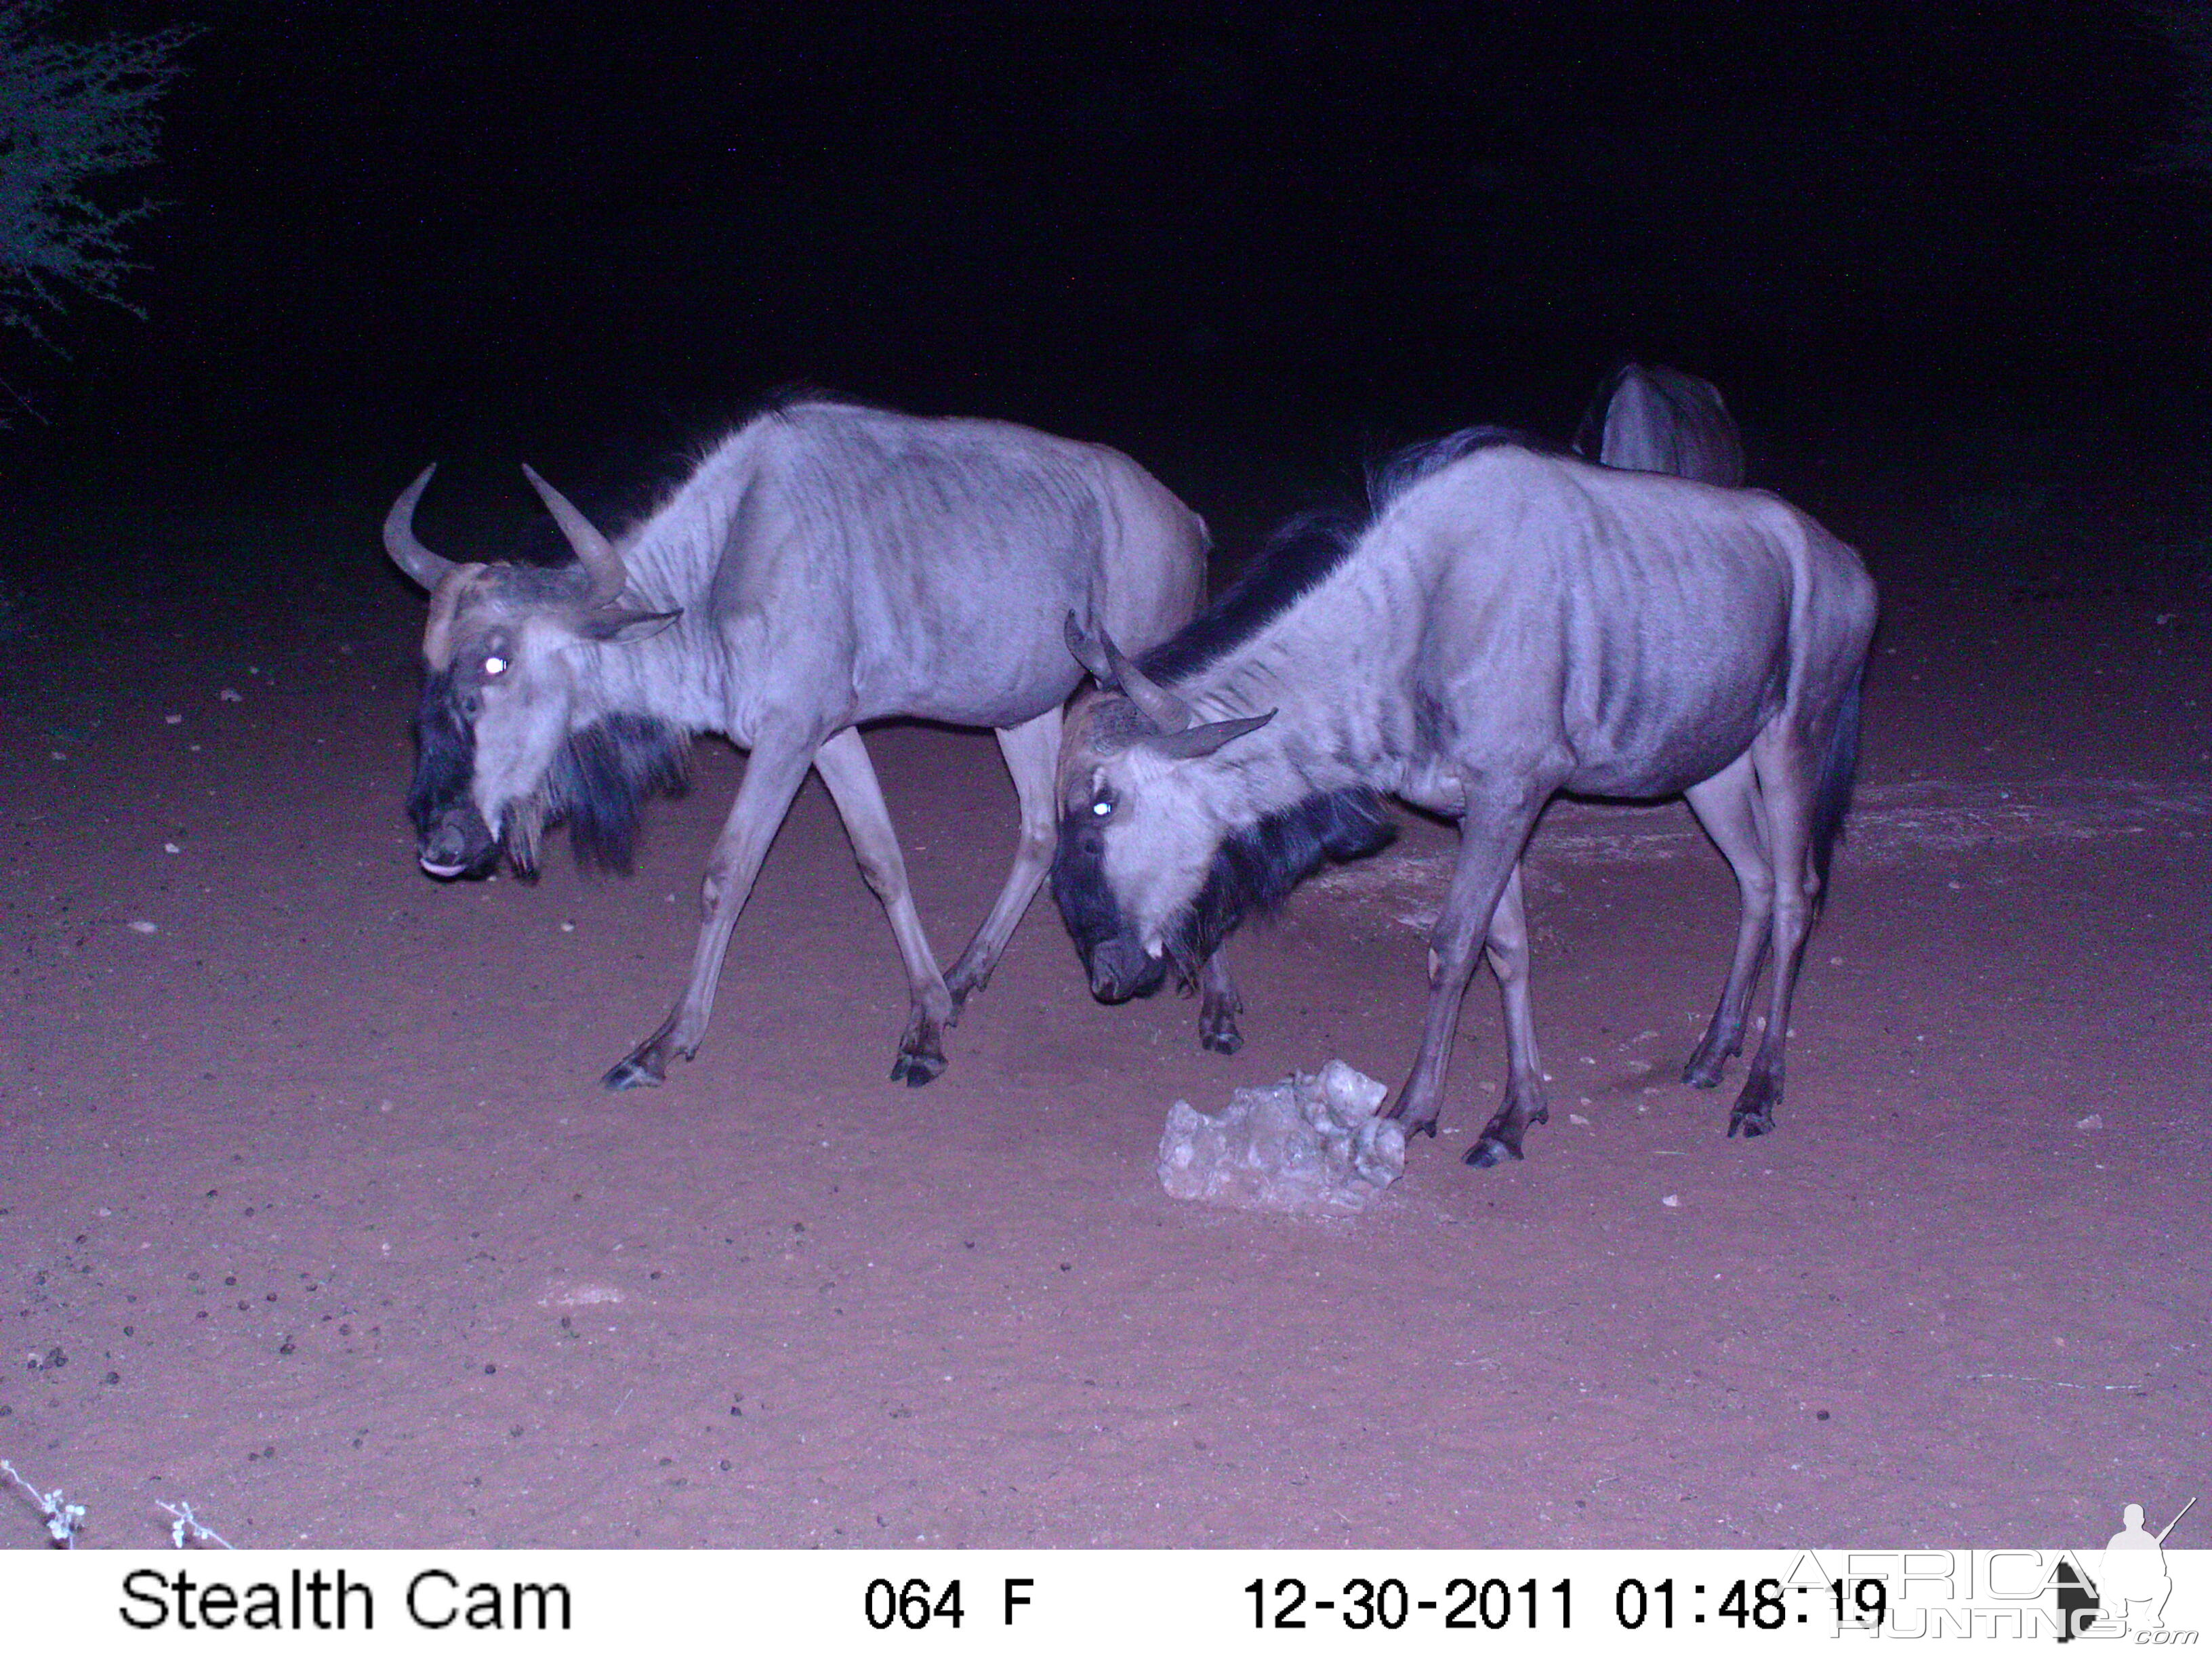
(1217,1013)
(638,1071)
(1412,1126)
(916,1071)
(1708,1061)
(1490,1152)
(1754,1108)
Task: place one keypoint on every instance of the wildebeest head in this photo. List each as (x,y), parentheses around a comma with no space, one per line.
(502,743)
(1162,852)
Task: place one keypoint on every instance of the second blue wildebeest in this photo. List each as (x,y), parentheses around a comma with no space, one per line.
(1659,420)
(1509,625)
(823,566)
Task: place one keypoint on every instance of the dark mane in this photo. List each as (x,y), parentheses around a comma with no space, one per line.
(1308,546)
(1256,869)
(628,504)
(602,778)
(1297,557)
(1392,477)
(781,401)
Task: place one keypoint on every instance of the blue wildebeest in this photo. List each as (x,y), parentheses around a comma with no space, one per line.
(825,565)
(1511,624)
(1661,420)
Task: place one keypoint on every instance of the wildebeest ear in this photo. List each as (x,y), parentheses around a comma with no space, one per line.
(625,627)
(1195,740)
(1087,652)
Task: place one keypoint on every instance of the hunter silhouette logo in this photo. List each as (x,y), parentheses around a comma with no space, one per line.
(2130,1586)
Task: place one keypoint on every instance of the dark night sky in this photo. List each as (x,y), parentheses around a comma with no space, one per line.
(483,232)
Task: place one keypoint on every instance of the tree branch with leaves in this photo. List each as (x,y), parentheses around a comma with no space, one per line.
(71,116)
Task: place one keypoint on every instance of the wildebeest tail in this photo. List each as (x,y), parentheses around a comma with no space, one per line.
(1833,801)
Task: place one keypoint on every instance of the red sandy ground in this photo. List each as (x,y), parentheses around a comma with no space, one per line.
(311,1212)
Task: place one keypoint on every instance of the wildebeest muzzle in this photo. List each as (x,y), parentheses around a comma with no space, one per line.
(456,843)
(450,836)
(1115,963)
(1119,970)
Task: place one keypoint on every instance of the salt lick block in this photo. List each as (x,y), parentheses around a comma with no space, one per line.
(1307,1145)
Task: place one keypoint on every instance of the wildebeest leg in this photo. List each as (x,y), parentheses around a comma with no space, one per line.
(1783,764)
(844,765)
(1489,847)
(1524,1104)
(1219,1006)
(1032,753)
(1727,804)
(773,775)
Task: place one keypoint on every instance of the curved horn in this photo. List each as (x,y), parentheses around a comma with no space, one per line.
(408,553)
(1102,660)
(593,551)
(1161,706)
(1196,741)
